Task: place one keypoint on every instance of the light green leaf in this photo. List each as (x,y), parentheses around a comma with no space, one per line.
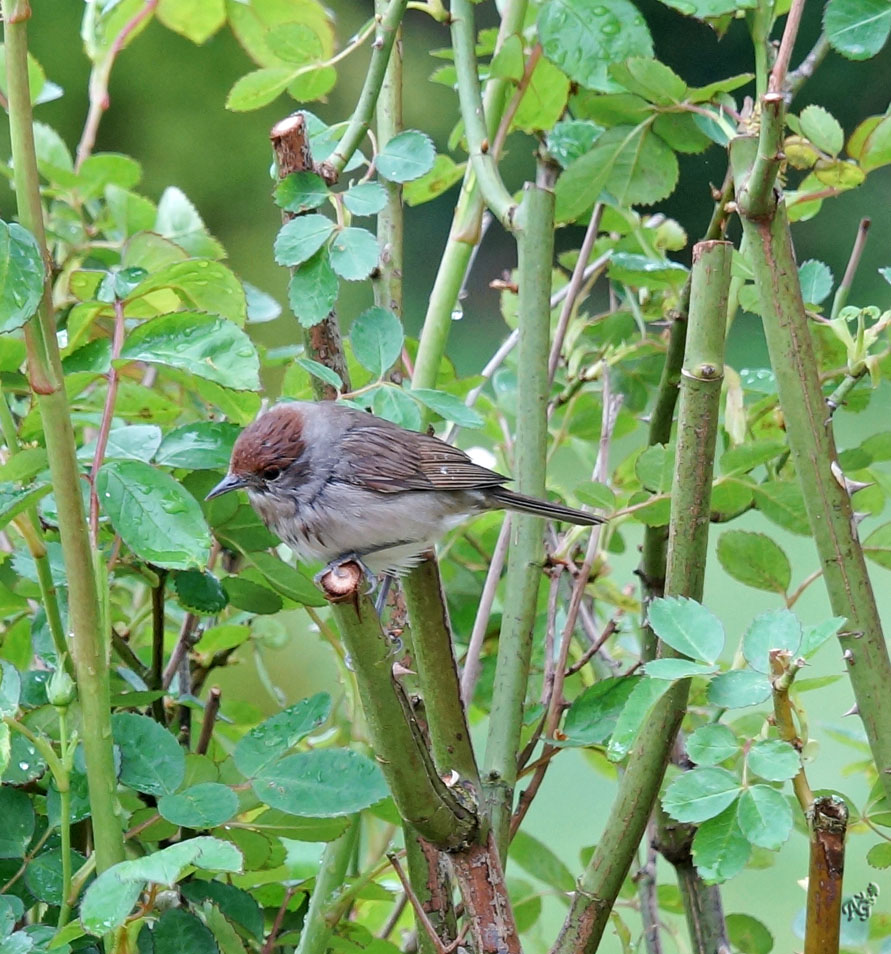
(376,337)
(202,806)
(583,36)
(441,177)
(286,580)
(720,849)
(21,276)
(408,155)
(448,406)
(204,345)
(814,636)
(711,744)
(650,79)
(538,860)
(152,761)
(876,150)
(301,238)
(199,284)
(592,717)
(776,629)
(266,743)
(738,688)
(673,669)
(394,404)
(642,272)
(179,221)
(688,627)
(857,29)
(823,130)
(313,289)
(877,546)
(700,794)
(259,88)
(196,20)
(640,702)
(748,935)
(280,824)
(354,253)
(15,500)
(203,445)
(755,559)
(746,457)
(366,198)
(321,371)
(655,468)
(816,281)
(300,192)
(321,783)
(155,516)
(544,100)
(774,760)
(295,43)
(765,817)
(709,9)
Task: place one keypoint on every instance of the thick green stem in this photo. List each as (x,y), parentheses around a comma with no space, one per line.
(90,649)
(336,858)
(535,243)
(812,446)
(691,497)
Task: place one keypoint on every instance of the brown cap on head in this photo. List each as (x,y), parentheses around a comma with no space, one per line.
(274,439)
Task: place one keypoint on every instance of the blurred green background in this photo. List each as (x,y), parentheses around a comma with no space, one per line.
(167,110)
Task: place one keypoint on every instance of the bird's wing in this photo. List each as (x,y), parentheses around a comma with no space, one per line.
(389,459)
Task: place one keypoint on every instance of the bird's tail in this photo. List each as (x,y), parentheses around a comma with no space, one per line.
(511,500)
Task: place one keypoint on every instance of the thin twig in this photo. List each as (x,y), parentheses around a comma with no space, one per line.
(790,34)
(418,908)
(393,919)
(844,288)
(269,944)
(514,104)
(797,78)
(595,647)
(211,711)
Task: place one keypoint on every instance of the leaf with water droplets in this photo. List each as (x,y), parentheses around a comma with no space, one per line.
(270,740)
(21,276)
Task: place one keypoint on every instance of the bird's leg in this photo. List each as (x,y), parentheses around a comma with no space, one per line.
(381,599)
(336,567)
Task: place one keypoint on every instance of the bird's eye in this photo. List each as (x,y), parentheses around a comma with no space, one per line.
(271,473)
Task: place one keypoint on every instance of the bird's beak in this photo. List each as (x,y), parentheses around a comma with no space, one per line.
(229,482)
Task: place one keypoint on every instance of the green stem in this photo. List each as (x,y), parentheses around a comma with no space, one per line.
(535,243)
(812,446)
(64,787)
(691,496)
(336,857)
(360,120)
(89,648)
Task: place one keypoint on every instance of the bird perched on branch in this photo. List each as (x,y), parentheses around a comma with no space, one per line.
(339,485)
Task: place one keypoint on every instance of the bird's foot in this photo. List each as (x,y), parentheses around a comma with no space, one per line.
(341,576)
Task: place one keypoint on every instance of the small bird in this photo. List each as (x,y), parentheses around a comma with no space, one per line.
(339,484)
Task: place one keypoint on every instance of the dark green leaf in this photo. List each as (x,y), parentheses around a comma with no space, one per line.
(774,760)
(592,716)
(204,445)
(366,198)
(270,740)
(755,559)
(199,284)
(286,580)
(448,406)
(650,79)
(765,817)
(15,500)
(711,744)
(251,597)
(18,822)
(700,794)
(321,783)
(673,669)
(301,191)
(748,935)
(152,761)
(301,238)
(280,824)
(21,276)
(857,29)
(43,875)
(776,629)
(642,272)
(376,337)
(313,289)
(536,859)
(782,502)
(720,849)
(201,806)
(354,254)
(155,516)
(25,763)
(583,36)
(199,591)
(688,627)
(640,702)
(238,905)
(177,930)
(738,688)
(407,156)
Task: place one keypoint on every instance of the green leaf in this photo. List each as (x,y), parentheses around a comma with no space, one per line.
(261,306)
(879,856)
(354,254)
(18,822)
(178,930)
(746,457)
(823,130)
(544,99)
(135,442)
(776,629)
(321,783)
(257,89)
(592,717)
(408,155)
(765,817)
(711,744)
(43,875)
(313,289)
(655,468)
(755,559)
(299,239)
(688,627)
(204,345)
(673,669)
(814,636)
(536,859)
(448,406)
(204,445)
(738,688)
(239,906)
(876,150)
(21,276)
(179,221)
(595,494)
(196,20)
(155,516)
(366,198)
(251,597)
(376,337)
(700,794)
(774,760)
(25,763)
(270,740)
(709,9)
(640,702)
(583,36)
(280,824)
(15,500)
(321,371)
(152,761)
(857,29)
(200,592)
(650,79)
(300,192)
(816,281)
(642,272)
(201,806)
(782,501)
(571,138)
(394,404)
(198,283)
(748,935)
(720,849)
(24,465)
(877,546)
(442,176)
(223,636)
